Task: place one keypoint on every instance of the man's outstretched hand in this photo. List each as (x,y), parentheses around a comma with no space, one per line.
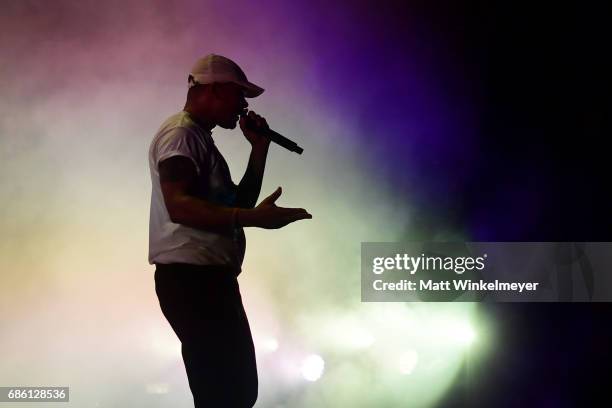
(268,215)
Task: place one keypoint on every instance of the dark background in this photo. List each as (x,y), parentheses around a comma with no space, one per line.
(544,84)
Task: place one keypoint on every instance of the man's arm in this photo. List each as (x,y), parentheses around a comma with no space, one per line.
(250,185)
(178,175)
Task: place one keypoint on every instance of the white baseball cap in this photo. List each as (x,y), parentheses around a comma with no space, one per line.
(216,68)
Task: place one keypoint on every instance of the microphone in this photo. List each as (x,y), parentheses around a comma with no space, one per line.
(274,136)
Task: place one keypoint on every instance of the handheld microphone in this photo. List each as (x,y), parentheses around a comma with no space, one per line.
(274,136)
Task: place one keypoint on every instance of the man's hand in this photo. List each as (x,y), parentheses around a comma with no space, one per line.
(253,127)
(268,215)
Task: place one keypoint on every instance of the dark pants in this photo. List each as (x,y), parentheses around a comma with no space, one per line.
(204,307)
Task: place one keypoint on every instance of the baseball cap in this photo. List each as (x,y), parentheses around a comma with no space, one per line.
(217,68)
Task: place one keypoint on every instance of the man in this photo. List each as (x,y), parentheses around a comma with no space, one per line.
(196,237)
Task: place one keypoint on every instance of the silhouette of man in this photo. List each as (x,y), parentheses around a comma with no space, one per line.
(196,237)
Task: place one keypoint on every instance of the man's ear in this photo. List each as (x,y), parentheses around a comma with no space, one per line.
(198,91)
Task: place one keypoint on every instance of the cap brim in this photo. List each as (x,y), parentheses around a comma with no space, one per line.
(250,90)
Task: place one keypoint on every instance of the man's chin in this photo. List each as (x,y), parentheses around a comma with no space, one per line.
(229,125)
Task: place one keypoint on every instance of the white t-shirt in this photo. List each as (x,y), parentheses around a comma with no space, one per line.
(179,135)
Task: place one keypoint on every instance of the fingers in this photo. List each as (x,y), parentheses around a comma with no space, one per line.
(271,216)
(263,124)
(304,216)
(301,215)
(260,122)
(272,197)
(295,214)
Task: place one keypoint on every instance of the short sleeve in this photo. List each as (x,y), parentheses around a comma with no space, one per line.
(179,141)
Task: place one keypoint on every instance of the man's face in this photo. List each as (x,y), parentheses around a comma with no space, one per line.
(229,103)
